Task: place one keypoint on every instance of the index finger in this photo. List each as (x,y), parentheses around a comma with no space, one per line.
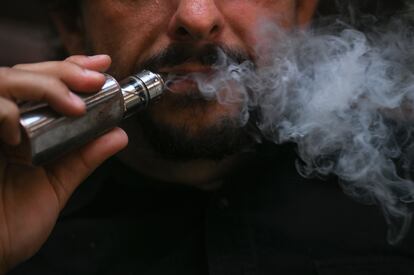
(25,85)
(74,76)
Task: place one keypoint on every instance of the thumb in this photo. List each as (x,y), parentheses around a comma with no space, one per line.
(70,171)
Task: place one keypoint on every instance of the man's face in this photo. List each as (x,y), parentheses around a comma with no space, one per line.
(181,38)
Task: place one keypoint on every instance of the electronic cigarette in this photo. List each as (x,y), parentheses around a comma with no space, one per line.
(48,135)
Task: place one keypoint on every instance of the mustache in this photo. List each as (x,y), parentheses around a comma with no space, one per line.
(180,53)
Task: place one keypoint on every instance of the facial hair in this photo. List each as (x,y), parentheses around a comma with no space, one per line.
(227,136)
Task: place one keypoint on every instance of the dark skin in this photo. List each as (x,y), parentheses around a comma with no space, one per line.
(31,198)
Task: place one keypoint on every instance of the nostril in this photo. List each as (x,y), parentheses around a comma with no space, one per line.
(215,29)
(181,31)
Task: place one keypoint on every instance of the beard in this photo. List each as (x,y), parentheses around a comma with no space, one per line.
(192,139)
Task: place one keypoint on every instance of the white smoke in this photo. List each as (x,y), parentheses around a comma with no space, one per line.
(339,92)
(343,96)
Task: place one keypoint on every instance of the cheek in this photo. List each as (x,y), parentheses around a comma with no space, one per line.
(250,19)
(124,30)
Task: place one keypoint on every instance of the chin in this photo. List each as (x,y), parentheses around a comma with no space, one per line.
(189,127)
(192,112)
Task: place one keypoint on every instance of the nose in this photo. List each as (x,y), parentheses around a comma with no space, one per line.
(196,20)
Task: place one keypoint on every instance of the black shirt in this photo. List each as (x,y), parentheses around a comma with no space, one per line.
(265,219)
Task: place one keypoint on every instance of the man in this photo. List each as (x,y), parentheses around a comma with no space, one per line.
(136,215)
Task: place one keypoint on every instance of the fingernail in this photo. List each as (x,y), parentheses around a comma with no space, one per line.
(98,56)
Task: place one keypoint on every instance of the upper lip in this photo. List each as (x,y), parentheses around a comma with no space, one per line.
(187,68)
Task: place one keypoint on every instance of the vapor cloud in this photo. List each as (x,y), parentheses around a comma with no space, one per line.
(344,96)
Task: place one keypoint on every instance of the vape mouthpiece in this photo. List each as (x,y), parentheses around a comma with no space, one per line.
(141,89)
(48,135)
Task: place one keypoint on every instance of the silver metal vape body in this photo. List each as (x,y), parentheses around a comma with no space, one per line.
(48,134)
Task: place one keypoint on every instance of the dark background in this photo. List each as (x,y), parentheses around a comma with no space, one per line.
(26,34)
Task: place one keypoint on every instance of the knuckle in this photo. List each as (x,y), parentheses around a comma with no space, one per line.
(70,68)
(4,72)
(72,58)
(59,65)
(75,58)
(18,66)
(24,66)
(62,67)
(9,110)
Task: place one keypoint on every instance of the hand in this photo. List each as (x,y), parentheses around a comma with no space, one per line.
(31,198)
